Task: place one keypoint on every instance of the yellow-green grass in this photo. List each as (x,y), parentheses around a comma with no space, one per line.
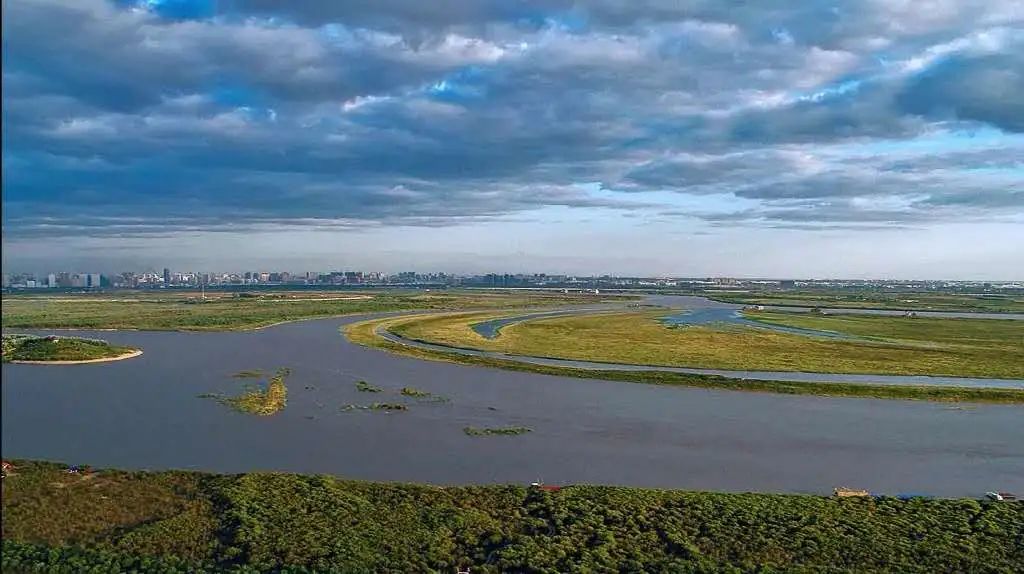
(259,401)
(184,311)
(871,299)
(898,346)
(59,349)
(366,333)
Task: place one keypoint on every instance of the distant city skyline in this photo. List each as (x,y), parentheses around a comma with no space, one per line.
(852,139)
(151,277)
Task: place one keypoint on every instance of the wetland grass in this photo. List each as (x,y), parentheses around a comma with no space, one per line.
(60,349)
(365,387)
(414,392)
(882,345)
(496,431)
(258,401)
(386,407)
(365,333)
(249,374)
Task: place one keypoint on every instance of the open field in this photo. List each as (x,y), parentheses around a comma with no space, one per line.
(897,346)
(875,299)
(223,311)
(364,333)
(29,348)
(120,521)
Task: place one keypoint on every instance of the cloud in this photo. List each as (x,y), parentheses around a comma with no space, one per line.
(149,117)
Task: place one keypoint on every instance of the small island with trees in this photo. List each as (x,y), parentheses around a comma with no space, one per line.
(60,350)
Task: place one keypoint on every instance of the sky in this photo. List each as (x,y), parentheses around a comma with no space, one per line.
(847,138)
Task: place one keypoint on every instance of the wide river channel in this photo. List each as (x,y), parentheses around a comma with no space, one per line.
(144,413)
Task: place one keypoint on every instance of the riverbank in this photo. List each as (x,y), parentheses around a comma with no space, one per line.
(129,355)
(368,334)
(154,521)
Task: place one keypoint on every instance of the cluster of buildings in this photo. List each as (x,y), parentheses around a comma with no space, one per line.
(53,280)
(169,279)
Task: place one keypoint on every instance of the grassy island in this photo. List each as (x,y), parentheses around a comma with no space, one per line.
(114,521)
(882,345)
(257,400)
(61,350)
(366,333)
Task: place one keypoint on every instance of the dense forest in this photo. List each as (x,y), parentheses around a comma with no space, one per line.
(113,521)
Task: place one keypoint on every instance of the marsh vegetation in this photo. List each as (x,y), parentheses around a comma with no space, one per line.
(365,333)
(378,406)
(224,311)
(877,299)
(884,345)
(365,387)
(491,431)
(59,349)
(249,374)
(414,392)
(260,401)
(189,522)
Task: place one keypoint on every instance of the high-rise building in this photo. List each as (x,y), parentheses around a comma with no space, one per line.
(167,276)
(51,280)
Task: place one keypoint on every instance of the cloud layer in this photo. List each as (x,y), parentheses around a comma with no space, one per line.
(149,118)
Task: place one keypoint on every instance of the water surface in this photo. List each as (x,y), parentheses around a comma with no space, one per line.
(143,413)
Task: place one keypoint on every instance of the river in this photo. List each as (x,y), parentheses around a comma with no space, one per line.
(144,413)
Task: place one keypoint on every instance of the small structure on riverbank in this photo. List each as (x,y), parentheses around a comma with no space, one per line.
(545,487)
(847,492)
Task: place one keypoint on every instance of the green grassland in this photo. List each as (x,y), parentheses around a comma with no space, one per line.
(897,345)
(113,521)
(187,311)
(365,333)
(875,299)
(47,349)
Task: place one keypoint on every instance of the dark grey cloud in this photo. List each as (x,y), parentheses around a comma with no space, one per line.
(985,89)
(397,112)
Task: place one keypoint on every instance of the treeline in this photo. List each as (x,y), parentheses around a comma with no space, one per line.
(193,522)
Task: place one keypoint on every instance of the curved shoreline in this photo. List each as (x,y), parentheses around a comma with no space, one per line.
(123,357)
(864,379)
